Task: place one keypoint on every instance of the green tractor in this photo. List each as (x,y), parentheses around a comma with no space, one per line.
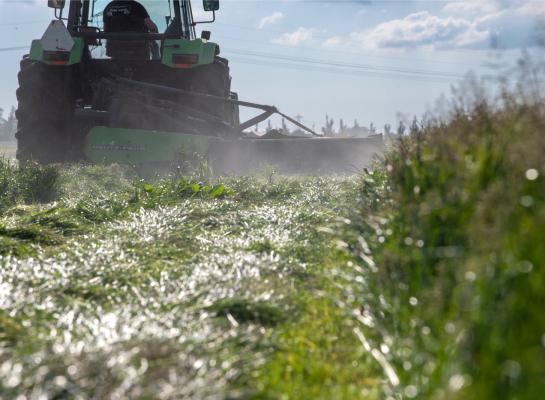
(88,91)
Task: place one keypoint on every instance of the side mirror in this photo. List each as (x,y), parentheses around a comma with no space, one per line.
(56,4)
(205,35)
(211,5)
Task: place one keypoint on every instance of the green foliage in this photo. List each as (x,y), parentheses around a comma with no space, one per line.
(170,191)
(317,357)
(244,311)
(30,233)
(30,184)
(456,222)
(264,246)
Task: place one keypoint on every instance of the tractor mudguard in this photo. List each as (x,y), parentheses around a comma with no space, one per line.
(182,53)
(57,46)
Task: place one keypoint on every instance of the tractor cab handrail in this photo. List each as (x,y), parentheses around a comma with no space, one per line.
(125,35)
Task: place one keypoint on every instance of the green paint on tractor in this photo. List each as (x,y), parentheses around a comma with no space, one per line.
(182,53)
(76,53)
(131,146)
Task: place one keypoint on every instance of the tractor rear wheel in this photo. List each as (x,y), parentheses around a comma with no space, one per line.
(46,107)
(214,79)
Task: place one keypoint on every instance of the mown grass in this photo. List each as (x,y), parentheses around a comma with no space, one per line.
(317,356)
(225,287)
(80,198)
(451,237)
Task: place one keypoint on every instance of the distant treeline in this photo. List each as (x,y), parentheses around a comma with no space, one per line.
(8,125)
(341,129)
(356,130)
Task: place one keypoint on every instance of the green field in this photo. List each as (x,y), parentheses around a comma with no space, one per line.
(116,287)
(423,278)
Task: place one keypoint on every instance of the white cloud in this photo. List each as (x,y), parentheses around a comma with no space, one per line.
(500,24)
(270,19)
(531,9)
(301,35)
(333,41)
(512,22)
(423,29)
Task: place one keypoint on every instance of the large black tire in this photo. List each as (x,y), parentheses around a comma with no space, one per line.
(214,79)
(46,107)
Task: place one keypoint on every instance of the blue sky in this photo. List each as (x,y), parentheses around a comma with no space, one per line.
(350,58)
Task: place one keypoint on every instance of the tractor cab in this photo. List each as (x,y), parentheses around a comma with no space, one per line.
(114,36)
(129,17)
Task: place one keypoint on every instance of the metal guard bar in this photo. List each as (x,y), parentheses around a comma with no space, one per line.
(268,110)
